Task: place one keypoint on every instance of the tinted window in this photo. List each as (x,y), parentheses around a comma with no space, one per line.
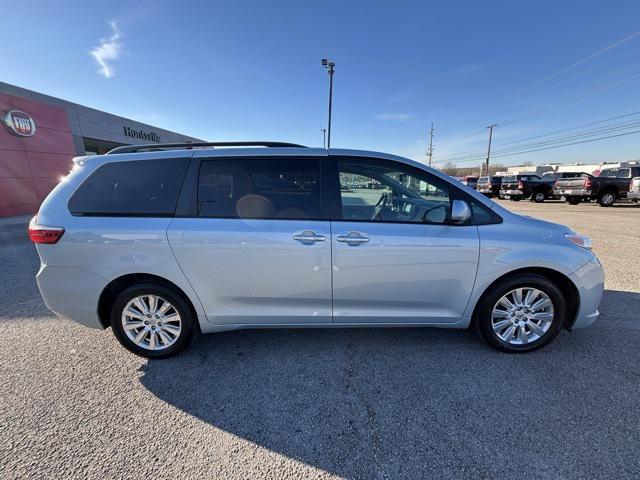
(142,187)
(379,191)
(509,179)
(287,188)
(618,172)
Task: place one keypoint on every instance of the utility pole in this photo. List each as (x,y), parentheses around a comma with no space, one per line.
(430,151)
(324,137)
(490,127)
(329,66)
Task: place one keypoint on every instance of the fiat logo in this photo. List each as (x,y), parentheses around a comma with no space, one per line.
(20,123)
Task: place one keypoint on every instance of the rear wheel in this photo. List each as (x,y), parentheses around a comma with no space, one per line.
(538,197)
(607,199)
(521,314)
(152,320)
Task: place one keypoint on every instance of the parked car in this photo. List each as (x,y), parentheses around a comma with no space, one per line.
(610,185)
(470,181)
(555,176)
(519,187)
(489,186)
(634,190)
(159,241)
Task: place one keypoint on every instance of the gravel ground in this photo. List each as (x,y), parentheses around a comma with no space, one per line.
(370,403)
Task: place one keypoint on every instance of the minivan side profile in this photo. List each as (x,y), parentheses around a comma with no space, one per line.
(156,242)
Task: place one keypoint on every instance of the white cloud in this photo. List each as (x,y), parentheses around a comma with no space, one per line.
(108,51)
(395,117)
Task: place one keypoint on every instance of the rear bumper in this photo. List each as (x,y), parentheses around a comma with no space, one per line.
(571,192)
(633,195)
(71,293)
(511,193)
(589,279)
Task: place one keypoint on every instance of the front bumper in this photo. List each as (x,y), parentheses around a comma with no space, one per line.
(589,279)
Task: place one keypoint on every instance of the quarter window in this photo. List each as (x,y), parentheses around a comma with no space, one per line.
(260,188)
(141,187)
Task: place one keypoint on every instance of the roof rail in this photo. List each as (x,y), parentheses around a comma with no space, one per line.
(188,145)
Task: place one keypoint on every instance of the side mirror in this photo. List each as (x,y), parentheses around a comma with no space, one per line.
(460,212)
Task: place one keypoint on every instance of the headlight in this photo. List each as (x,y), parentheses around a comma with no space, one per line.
(579,240)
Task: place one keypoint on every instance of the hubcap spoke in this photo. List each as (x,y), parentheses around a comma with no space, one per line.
(153,303)
(144,321)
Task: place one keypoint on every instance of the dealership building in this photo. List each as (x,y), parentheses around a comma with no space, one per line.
(40,135)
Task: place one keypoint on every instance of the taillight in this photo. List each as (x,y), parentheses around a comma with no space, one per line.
(520,186)
(555,184)
(43,234)
(587,183)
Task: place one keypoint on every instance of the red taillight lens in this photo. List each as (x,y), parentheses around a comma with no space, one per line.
(555,184)
(520,186)
(587,183)
(42,234)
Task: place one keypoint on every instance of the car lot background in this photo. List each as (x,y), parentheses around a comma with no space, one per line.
(370,403)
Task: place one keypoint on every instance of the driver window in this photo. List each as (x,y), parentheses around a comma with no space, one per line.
(385,191)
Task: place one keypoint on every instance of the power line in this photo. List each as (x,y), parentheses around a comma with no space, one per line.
(578,63)
(521,146)
(562,71)
(557,146)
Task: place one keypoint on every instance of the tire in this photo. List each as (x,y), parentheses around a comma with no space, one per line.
(538,197)
(606,199)
(484,324)
(159,347)
(573,200)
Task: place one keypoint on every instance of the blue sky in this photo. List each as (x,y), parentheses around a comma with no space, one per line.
(241,70)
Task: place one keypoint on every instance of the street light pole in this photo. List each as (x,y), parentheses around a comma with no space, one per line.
(490,127)
(329,66)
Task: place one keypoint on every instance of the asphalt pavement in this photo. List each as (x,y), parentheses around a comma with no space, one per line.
(368,403)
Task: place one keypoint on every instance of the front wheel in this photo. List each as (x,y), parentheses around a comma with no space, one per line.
(152,320)
(521,314)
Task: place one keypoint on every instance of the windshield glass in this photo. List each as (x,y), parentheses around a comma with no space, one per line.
(483,180)
(509,179)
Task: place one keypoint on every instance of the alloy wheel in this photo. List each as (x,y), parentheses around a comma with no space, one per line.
(522,316)
(151,322)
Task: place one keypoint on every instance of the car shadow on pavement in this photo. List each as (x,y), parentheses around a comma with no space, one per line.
(391,403)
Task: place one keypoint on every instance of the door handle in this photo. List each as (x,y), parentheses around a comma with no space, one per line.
(352,238)
(309,237)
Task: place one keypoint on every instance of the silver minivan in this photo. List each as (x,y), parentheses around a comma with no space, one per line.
(160,241)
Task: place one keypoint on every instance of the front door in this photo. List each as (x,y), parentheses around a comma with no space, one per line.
(258,249)
(396,256)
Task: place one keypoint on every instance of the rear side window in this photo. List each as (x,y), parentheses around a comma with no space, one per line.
(141,187)
(261,188)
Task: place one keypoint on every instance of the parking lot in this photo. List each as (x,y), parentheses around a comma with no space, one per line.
(370,403)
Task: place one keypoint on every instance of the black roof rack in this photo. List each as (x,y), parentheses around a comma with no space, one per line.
(188,145)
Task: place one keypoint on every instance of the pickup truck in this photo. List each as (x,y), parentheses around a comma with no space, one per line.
(518,187)
(634,191)
(609,186)
(489,186)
